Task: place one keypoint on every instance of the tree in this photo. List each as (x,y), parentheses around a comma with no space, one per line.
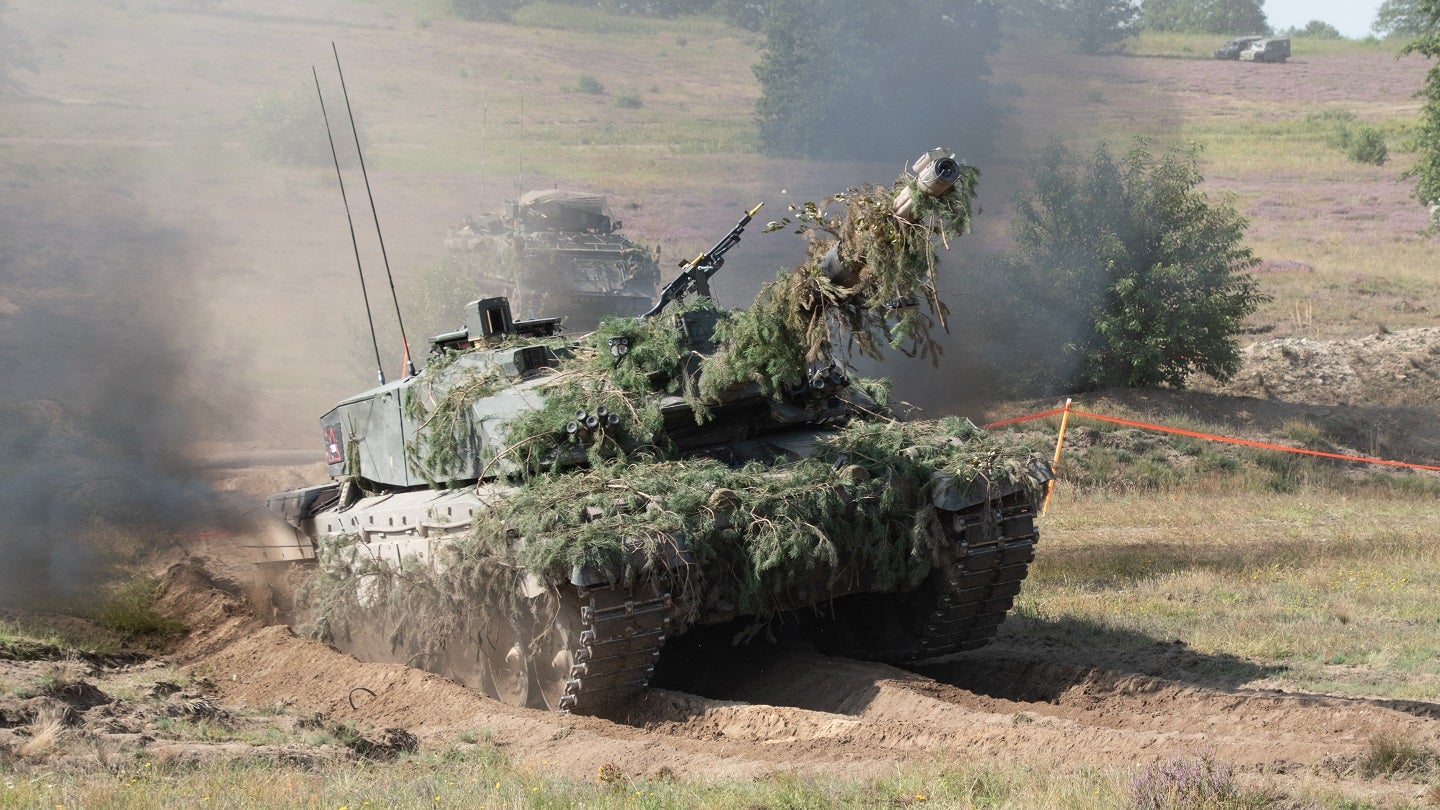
(1398,18)
(1097,25)
(747,14)
(1317,29)
(1224,17)
(1426,170)
(857,79)
(1150,275)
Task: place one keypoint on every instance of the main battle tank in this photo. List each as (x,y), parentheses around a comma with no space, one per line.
(560,253)
(537,516)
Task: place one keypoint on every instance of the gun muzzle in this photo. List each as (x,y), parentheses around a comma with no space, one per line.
(935,174)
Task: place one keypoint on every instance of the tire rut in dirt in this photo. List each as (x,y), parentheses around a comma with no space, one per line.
(1004,701)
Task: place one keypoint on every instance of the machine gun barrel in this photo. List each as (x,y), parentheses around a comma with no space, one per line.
(698,271)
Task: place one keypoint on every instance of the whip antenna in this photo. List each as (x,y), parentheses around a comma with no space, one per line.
(379,368)
(409,364)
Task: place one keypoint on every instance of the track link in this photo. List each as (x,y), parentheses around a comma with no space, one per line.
(622,631)
(994,544)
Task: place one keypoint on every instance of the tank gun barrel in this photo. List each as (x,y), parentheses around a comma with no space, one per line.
(698,271)
(935,173)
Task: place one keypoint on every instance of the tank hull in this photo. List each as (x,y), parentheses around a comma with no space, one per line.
(406,588)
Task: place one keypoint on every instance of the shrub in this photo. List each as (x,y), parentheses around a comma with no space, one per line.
(629,101)
(1368,146)
(1391,755)
(1185,783)
(129,610)
(1127,264)
(487,10)
(589,84)
(289,128)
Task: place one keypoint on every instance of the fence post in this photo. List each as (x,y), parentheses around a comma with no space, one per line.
(1059,441)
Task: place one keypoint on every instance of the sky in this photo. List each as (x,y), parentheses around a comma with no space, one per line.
(1352,17)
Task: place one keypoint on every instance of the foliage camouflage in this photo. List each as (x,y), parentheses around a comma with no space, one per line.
(792,326)
(795,318)
(860,509)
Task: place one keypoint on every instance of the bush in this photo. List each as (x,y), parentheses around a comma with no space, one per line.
(1391,755)
(129,610)
(290,128)
(1185,783)
(629,101)
(1368,146)
(589,84)
(1129,266)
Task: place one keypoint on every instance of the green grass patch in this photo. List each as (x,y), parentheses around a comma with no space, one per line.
(128,611)
(19,643)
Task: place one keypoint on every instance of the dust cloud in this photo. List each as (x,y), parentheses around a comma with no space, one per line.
(99,397)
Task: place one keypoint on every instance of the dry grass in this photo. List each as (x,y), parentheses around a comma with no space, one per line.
(1332,587)
(1391,755)
(45,735)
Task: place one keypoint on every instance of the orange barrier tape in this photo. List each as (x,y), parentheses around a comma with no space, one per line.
(1214,438)
(1050,412)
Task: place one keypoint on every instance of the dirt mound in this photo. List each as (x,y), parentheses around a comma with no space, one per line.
(1394,368)
(214,615)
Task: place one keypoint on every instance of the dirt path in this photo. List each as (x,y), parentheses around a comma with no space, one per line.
(779,711)
(807,712)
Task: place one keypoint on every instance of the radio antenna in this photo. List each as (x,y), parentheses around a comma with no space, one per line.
(379,367)
(409,364)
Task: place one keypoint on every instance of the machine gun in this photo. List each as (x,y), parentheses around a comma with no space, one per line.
(698,271)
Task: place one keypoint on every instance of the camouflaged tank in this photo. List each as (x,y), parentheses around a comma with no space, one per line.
(560,253)
(537,517)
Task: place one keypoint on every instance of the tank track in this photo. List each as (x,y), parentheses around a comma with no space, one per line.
(994,544)
(622,631)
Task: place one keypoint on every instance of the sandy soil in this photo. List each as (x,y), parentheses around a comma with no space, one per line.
(761,713)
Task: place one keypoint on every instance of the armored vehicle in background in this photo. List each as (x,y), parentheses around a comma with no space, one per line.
(1233,48)
(559,253)
(536,516)
(1267,50)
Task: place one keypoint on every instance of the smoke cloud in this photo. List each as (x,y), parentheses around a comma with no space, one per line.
(98,400)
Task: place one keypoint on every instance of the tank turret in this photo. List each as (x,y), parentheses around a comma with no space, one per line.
(561,253)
